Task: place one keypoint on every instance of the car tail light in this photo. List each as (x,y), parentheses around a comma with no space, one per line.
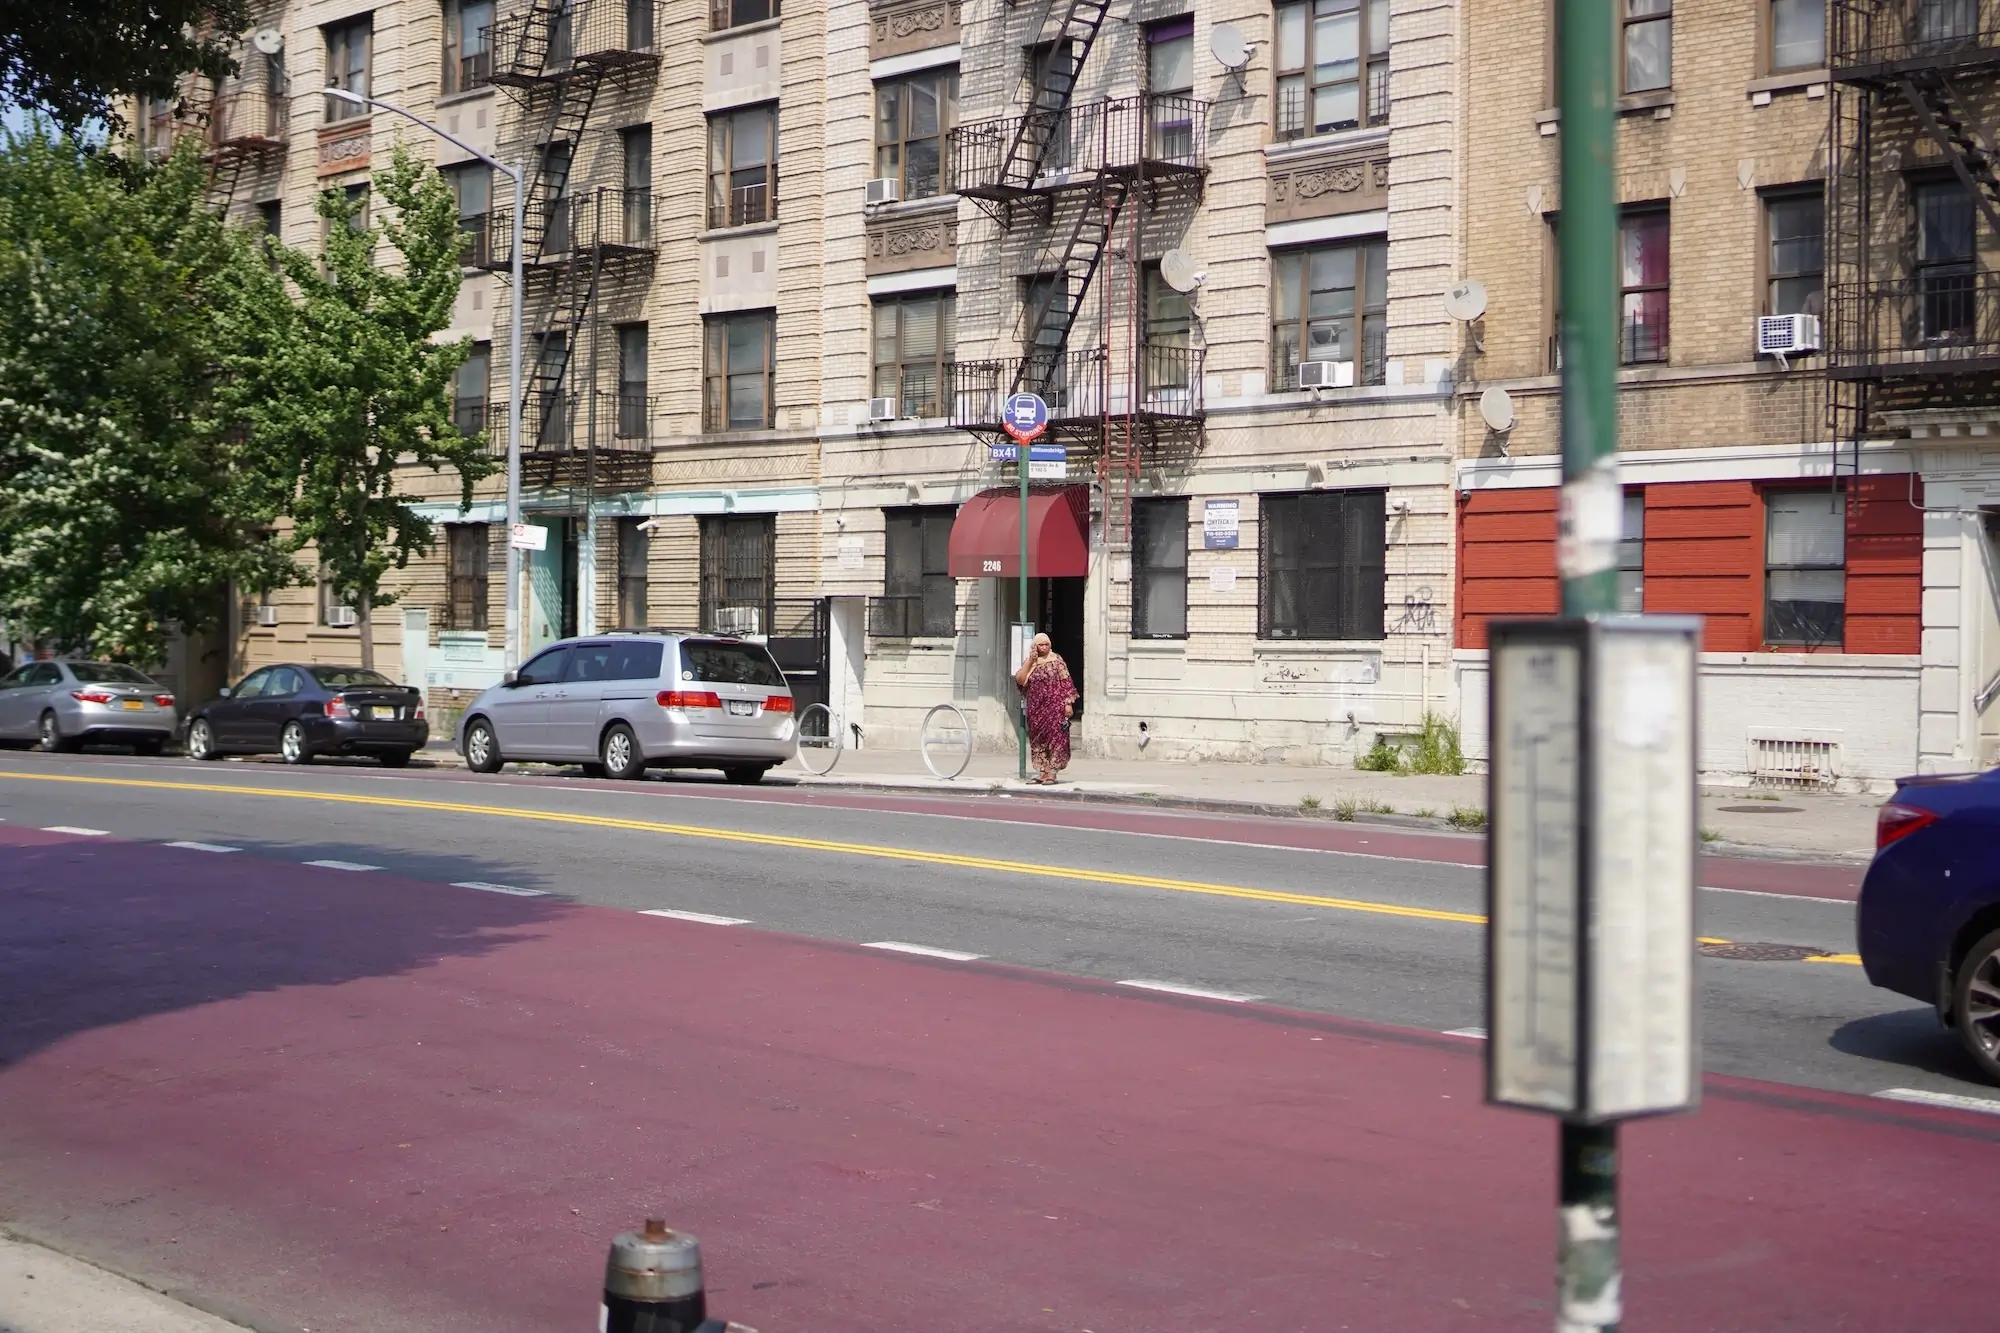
(337,707)
(688,699)
(418,715)
(778,703)
(164,700)
(1895,822)
(90,696)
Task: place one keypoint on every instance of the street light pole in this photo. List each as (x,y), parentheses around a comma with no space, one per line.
(511,654)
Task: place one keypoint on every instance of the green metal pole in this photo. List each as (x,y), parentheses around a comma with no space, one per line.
(1592,510)
(1021,465)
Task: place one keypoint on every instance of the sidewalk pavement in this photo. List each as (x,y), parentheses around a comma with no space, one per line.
(43,1291)
(1801,825)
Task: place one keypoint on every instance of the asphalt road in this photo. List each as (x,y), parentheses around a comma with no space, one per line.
(1382,938)
(257,1036)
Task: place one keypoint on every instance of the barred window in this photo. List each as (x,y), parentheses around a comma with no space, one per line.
(1159,569)
(1321,570)
(466,546)
(920,597)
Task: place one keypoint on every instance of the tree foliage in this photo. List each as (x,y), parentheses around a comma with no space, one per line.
(124,502)
(70,59)
(342,383)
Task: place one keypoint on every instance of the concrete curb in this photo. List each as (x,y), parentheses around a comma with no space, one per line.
(229,1312)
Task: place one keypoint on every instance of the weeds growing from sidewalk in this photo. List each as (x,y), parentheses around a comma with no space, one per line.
(1344,809)
(1436,750)
(1382,757)
(1377,808)
(1710,835)
(1466,817)
(1425,812)
(1308,803)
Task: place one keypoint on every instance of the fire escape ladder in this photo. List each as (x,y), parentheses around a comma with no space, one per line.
(1966,144)
(569,112)
(1050,99)
(537,36)
(569,301)
(1055,313)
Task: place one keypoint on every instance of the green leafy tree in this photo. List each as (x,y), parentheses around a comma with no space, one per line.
(125,506)
(342,382)
(71,59)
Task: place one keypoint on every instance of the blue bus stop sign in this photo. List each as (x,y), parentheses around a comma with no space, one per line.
(1025,418)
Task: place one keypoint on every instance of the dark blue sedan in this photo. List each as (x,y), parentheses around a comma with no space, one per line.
(1929,920)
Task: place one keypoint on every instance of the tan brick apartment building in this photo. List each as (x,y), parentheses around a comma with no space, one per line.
(1804,525)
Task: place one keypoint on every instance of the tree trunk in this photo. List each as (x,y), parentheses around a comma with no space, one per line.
(365,617)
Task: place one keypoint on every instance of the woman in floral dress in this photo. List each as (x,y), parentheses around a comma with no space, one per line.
(1050,697)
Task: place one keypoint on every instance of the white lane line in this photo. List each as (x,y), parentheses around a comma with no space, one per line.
(203,847)
(923,951)
(1198,992)
(699,918)
(1953,1100)
(79,832)
(498,888)
(341,865)
(1477,1034)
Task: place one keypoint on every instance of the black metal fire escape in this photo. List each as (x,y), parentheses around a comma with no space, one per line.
(1913,323)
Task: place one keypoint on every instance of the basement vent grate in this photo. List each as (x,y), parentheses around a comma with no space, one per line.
(1791,763)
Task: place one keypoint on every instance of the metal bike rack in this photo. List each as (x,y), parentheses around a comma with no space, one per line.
(946,741)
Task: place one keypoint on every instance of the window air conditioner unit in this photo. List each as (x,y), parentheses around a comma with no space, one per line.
(342,617)
(267,617)
(1787,335)
(881,409)
(738,620)
(1326,374)
(886,190)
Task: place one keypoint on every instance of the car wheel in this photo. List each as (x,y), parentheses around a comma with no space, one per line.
(292,744)
(745,775)
(201,740)
(395,758)
(482,752)
(620,752)
(50,737)
(1976,1004)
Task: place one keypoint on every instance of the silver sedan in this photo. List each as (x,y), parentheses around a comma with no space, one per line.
(62,705)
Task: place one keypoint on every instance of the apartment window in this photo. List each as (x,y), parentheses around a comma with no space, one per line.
(556,160)
(738,553)
(635,543)
(1168,361)
(920,597)
(639,25)
(1798,34)
(1649,45)
(743,166)
(1796,258)
(466,547)
(1170,90)
(632,413)
(468,44)
(1321,557)
(638,151)
(1642,279)
(472,184)
(347,64)
(725,14)
(547,410)
(330,602)
(1632,555)
(1332,66)
(913,116)
(1947,234)
(1552,266)
(914,340)
(1940,21)
(1331,304)
(1805,559)
(1159,569)
(271,219)
(738,371)
(469,386)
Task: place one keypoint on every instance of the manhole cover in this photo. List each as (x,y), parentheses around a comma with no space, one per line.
(1765,809)
(1762,953)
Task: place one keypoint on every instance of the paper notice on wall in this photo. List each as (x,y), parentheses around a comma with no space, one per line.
(1222,578)
(1220,523)
(847,553)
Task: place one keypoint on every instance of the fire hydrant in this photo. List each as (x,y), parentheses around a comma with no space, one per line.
(652,1284)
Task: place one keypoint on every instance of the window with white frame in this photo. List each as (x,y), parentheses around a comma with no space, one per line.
(1805,568)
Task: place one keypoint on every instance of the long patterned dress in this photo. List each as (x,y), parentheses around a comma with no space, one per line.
(1049,692)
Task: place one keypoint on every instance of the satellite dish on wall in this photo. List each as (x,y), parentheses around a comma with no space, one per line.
(1496,408)
(1227,45)
(267,41)
(1178,271)
(1465,300)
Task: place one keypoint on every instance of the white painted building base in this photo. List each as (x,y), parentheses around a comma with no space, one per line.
(1961,634)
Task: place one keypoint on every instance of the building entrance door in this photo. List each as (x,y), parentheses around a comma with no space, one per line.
(1056,607)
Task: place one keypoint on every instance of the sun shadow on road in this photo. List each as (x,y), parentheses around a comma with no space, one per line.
(95,934)
(1912,1038)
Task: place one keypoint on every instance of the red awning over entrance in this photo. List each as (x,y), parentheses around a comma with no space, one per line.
(986,535)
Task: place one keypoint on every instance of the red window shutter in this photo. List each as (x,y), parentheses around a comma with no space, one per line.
(1885,564)
(1704,556)
(1506,559)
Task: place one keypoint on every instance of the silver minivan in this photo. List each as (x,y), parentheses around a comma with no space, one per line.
(619,704)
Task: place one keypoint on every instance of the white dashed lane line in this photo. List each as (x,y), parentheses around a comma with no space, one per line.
(923,951)
(1477,1034)
(1197,992)
(1950,1100)
(341,865)
(203,847)
(498,888)
(699,918)
(77,832)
